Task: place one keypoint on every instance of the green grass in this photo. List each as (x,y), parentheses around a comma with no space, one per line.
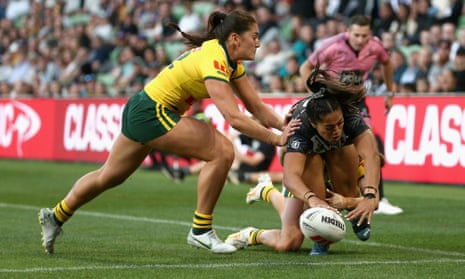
(138,230)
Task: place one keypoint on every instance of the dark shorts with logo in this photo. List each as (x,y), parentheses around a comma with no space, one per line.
(144,119)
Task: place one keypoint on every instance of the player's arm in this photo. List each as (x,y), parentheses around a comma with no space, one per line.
(367,148)
(252,102)
(294,168)
(305,70)
(222,96)
(341,202)
(388,74)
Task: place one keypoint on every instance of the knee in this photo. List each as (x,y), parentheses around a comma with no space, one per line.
(225,151)
(292,243)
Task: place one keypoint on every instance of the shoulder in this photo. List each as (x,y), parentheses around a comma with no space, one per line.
(375,42)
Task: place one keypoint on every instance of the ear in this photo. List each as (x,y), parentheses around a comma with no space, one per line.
(235,37)
(313,124)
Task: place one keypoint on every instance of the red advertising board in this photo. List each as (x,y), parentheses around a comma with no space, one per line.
(424,137)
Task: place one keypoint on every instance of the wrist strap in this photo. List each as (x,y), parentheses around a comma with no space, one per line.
(371,190)
(309,194)
(369,196)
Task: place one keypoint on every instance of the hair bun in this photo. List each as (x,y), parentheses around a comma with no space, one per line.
(315,86)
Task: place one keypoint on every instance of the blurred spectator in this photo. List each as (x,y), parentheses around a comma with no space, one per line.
(303,45)
(451,11)
(376,85)
(18,8)
(440,61)
(190,22)
(423,18)
(100,54)
(404,26)
(63,41)
(56,89)
(385,20)
(459,69)
(434,36)
(162,32)
(268,30)
(320,16)
(422,85)
(23,71)
(388,40)
(274,58)
(303,8)
(459,43)
(446,82)
(276,84)
(350,8)
(425,59)
(408,79)
(73,63)
(448,31)
(399,65)
(290,71)
(126,72)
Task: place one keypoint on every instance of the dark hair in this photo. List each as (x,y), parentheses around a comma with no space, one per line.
(220,26)
(329,94)
(362,20)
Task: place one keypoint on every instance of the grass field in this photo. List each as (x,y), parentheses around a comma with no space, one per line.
(139,230)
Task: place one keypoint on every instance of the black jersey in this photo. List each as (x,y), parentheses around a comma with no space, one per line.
(307,140)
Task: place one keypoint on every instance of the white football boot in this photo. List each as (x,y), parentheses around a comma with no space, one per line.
(386,208)
(50,229)
(210,241)
(255,193)
(240,239)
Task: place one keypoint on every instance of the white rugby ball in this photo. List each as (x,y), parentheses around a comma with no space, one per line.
(322,225)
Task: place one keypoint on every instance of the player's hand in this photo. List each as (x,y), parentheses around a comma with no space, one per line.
(317,202)
(335,200)
(388,102)
(364,209)
(289,130)
(288,116)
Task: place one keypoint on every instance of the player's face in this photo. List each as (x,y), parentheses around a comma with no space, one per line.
(359,36)
(248,44)
(330,127)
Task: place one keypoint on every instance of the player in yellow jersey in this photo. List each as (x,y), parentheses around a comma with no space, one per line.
(152,119)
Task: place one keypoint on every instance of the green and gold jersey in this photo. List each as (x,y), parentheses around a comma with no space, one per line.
(182,82)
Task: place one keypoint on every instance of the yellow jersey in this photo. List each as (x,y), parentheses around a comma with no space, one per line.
(182,82)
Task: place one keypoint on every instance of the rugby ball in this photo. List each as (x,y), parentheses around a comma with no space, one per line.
(322,225)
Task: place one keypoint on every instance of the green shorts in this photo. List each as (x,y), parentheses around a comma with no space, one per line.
(144,119)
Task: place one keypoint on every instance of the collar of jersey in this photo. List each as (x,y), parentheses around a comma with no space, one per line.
(231,63)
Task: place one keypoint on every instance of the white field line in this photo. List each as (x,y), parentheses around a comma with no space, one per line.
(162,221)
(228,265)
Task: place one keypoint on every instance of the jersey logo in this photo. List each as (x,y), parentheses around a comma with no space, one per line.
(295,144)
(220,67)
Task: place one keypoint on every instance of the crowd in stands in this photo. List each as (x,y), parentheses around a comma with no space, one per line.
(111,48)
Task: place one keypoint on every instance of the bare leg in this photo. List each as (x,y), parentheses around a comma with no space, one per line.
(289,238)
(196,139)
(125,157)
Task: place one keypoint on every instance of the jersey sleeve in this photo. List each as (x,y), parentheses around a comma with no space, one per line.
(383,55)
(354,125)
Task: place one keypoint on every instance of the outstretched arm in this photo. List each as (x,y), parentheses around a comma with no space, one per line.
(222,96)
